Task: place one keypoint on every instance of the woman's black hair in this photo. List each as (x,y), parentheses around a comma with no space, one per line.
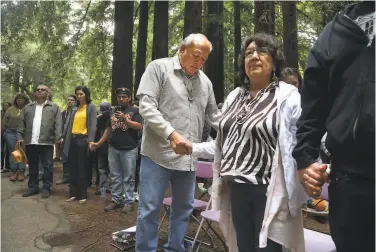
(288,71)
(9,104)
(18,96)
(261,40)
(86,91)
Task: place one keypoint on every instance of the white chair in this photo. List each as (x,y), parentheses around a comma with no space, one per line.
(318,242)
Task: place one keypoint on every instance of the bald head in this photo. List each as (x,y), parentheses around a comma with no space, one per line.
(197,39)
(193,52)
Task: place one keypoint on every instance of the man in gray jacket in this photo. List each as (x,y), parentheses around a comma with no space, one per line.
(175,99)
(40,128)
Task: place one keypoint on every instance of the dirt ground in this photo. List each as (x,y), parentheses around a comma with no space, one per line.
(92,227)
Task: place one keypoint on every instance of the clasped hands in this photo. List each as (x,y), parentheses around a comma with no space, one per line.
(180,144)
(313,177)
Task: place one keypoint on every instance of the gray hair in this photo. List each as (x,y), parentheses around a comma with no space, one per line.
(194,37)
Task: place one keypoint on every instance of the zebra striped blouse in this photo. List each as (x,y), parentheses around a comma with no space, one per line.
(249,132)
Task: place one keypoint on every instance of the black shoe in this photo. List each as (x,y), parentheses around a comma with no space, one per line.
(112,206)
(45,194)
(30,193)
(62,181)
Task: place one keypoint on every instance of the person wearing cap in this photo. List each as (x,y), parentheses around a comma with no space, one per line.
(102,152)
(39,129)
(71,102)
(122,135)
(176,98)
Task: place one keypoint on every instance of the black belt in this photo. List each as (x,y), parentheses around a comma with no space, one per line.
(74,136)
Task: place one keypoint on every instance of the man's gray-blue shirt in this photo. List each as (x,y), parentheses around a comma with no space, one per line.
(172,101)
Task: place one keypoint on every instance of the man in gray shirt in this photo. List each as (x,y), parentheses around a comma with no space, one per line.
(175,100)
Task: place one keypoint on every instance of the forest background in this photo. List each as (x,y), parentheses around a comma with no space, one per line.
(107,44)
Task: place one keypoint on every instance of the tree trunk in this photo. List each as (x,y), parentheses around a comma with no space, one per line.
(192,17)
(122,64)
(160,30)
(16,82)
(290,34)
(214,66)
(141,42)
(237,40)
(264,17)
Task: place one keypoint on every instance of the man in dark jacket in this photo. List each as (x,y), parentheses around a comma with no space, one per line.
(102,152)
(338,96)
(39,130)
(71,101)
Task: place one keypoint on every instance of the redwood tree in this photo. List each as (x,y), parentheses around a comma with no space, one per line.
(122,64)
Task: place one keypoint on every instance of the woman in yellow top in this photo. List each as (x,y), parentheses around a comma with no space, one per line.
(78,135)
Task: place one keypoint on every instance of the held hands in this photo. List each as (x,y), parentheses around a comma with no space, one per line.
(179,144)
(313,177)
(93,146)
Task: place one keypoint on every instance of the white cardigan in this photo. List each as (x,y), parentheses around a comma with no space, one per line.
(283,222)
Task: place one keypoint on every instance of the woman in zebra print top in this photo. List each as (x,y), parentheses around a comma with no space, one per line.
(253,155)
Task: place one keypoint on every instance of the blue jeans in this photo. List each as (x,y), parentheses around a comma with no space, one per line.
(122,171)
(154,180)
(11,139)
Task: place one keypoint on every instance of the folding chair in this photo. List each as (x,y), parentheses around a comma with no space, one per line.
(324,192)
(209,216)
(203,170)
(318,242)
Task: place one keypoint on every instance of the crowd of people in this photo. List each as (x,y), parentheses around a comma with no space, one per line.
(265,150)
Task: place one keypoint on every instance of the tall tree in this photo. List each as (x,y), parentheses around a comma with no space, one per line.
(214,66)
(141,42)
(122,64)
(192,17)
(264,17)
(160,30)
(290,34)
(237,41)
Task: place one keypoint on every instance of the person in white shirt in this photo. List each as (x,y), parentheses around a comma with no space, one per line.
(40,129)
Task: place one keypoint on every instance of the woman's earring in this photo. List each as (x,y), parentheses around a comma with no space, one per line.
(246,80)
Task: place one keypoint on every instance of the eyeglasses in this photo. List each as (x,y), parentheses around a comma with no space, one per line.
(41,89)
(261,51)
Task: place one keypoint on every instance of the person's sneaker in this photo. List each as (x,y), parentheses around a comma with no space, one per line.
(30,193)
(127,208)
(45,194)
(112,206)
(62,181)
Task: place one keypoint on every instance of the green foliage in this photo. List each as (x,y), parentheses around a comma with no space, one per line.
(63,44)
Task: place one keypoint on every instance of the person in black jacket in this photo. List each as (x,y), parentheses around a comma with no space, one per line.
(71,101)
(102,152)
(338,97)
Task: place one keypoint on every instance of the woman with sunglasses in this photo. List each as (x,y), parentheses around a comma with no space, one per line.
(11,119)
(78,135)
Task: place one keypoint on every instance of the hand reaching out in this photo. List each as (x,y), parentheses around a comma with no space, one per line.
(179,144)
(313,177)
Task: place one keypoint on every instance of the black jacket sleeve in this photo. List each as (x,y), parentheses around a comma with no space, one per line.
(314,101)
